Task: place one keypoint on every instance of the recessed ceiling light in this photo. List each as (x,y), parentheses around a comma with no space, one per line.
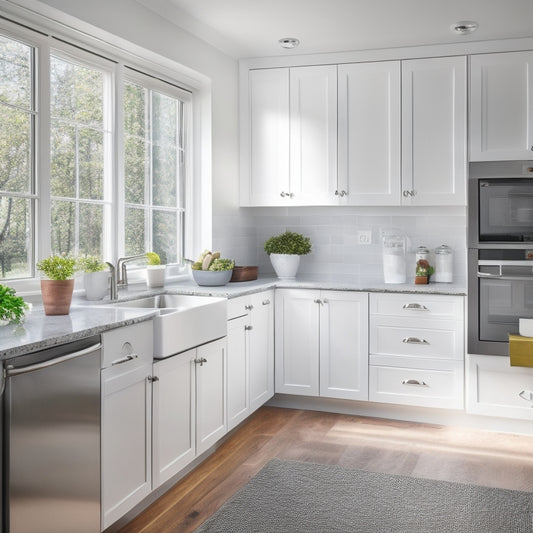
(289,42)
(464,27)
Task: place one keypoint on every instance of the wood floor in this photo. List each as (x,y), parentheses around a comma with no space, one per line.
(421,450)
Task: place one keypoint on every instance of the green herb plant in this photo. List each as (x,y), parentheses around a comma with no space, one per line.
(12,307)
(58,267)
(288,243)
(423,268)
(90,263)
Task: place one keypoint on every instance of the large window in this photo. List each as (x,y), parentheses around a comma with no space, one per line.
(154,133)
(102,171)
(17,140)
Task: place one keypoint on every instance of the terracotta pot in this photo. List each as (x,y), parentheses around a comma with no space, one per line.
(421,280)
(57,295)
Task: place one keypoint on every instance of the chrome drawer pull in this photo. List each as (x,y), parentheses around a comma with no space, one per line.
(415,382)
(248,328)
(414,340)
(415,307)
(124,359)
(266,302)
(527,395)
(200,361)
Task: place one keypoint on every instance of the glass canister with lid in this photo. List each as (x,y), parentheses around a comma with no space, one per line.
(443,264)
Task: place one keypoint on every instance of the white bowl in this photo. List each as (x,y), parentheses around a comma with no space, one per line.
(212,278)
(525,327)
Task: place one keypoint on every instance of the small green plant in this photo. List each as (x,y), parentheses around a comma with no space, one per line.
(288,243)
(58,267)
(423,268)
(12,307)
(153,258)
(90,263)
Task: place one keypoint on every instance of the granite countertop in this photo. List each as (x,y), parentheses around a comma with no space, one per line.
(88,318)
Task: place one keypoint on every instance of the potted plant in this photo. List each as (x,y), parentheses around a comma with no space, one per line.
(95,277)
(423,272)
(211,269)
(285,251)
(12,307)
(57,289)
(155,271)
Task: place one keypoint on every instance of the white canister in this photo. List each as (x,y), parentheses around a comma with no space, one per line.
(394,268)
(443,264)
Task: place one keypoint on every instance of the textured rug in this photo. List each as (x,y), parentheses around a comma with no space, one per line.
(299,497)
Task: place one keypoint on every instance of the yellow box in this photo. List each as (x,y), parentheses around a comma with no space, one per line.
(521,350)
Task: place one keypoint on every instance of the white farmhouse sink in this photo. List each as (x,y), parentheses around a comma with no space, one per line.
(184,321)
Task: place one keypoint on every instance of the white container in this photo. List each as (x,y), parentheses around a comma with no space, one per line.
(394,267)
(443,264)
(155,276)
(96,284)
(422,253)
(285,265)
(525,327)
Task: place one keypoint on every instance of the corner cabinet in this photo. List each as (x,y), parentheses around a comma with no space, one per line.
(434,129)
(322,343)
(501,106)
(289,136)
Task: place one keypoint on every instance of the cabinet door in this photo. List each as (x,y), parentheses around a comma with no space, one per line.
(173,432)
(238,404)
(313,134)
(369,133)
(126,438)
(434,131)
(501,106)
(210,394)
(344,345)
(265,138)
(297,336)
(261,349)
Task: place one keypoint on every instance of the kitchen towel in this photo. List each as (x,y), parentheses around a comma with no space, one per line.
(521,350)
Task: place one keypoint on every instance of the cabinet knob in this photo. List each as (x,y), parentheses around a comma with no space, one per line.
(415,382)
(284,194)
(266,302)
(318,301)
(249,307)
(153,379)
(415,307)
(248,328)
(414,340)
(337,193)
(325,301)
(200,361)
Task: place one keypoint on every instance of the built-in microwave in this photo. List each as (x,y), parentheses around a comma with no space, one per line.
(500,255)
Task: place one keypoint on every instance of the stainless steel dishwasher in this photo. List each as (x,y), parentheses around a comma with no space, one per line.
(52,440)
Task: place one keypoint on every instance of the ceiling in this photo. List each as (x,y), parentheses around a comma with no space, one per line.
(252,28)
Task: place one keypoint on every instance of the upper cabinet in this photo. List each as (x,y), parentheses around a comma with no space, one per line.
(501,106)
(369,133)
(289,135)
(434,129)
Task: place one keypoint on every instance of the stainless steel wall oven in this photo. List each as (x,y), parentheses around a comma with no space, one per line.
(500,255)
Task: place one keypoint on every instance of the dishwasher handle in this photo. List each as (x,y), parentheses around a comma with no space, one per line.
(11,371)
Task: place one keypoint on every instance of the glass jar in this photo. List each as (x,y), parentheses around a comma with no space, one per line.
(443,264)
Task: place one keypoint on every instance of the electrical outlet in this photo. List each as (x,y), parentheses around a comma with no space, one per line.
(364,237)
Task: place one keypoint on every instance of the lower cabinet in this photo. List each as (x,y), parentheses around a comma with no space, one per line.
(189,407)
(495,388)
(322,343)
(126,454)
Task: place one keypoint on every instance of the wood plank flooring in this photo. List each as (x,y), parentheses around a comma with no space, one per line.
(406,448)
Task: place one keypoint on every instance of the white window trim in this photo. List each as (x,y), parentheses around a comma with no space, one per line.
(50,22)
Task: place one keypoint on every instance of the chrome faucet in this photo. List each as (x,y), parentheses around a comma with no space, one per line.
(122,272)
(113,295)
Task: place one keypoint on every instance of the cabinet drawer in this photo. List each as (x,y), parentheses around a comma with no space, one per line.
(237,306)
(428,338)
(135,341)
(417,386)
(417,306)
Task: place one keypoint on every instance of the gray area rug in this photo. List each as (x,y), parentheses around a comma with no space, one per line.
(299,497)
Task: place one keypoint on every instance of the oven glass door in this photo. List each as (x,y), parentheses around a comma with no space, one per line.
(505,295)
(506,210)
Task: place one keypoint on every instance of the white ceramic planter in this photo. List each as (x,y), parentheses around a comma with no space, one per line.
(96,284)
(155,276)
(285,265)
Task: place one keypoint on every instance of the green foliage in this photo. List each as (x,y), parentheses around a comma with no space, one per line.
(90,263)
(423,268)
(221,264)
(153,258)
(57,267)
(12,307)
(288,243)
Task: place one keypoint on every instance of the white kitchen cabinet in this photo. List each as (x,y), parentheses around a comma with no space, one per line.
(250,354)
(321,343)
(417,350)
(434,129)
(495,388)
(174,415)
(501,106)
(369,113)
(126,419)
(189,407)
(289,136)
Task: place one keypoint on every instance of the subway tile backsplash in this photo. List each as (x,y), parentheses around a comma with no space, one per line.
(335,238)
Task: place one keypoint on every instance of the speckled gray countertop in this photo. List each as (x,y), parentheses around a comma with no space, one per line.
(91,318)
